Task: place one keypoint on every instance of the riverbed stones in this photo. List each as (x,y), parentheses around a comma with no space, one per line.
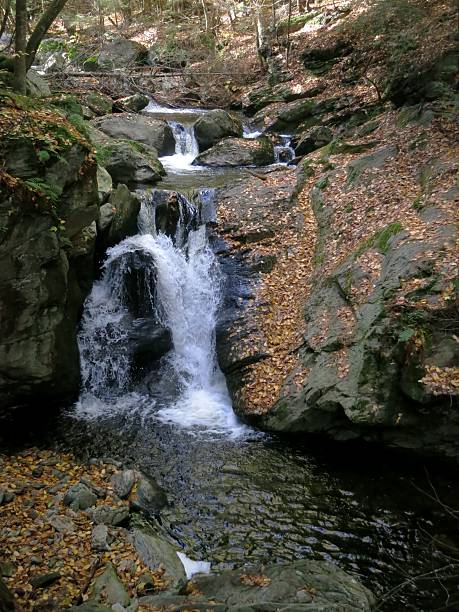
(79,497)
(109,515)
(99,538)
(235,152)
(123,482)
(301,585)
(140,128)
(148,496)
(155,550)
(215,125)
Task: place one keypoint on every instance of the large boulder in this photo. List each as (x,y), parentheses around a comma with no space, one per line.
(261,97)
(312,139)
(122,53)
(132,163)
(118,217)
(300,585)
(37,86)
(215,125)
(238,152)
(41,289)
(134,103)
(151,132)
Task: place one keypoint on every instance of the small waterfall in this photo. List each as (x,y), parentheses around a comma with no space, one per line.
(174,280)
(284,152)
(185,140)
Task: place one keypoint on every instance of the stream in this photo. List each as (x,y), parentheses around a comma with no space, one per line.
(236,495)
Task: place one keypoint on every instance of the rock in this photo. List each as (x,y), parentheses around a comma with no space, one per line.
(238,152)
(122,482)
(312,139)
(7,569)
(132,163)
(320,59)
(215,125)
(6,598)
(99,103)
(108,588)
(264,96)
(108,515)
(151,132)
(104,184)
(99,538)
(41,300)
(357,167)
(148,497)
(134,103)
(44,580)
(286,118)
(61,523)
(118,218)
(79,497)
(37,87)
(300,585)
(155,551)
(122,53)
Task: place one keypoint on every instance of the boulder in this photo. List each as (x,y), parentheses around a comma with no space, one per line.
(129,126)
(288,117)
(320,59)
(41,292)
(215,125)
(154,550)
(118,217)
(134,103)
(122,53)
(300,585)
(148,496)
(132,163)
(109,515)
(6,598)
(312,139)
(238,152)
(37,86)
(108,589)
(79,497)
(98,103)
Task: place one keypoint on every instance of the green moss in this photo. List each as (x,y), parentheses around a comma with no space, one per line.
(103,153)
(67,103)
(379,240)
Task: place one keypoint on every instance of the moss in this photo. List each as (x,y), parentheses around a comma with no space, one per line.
(103,153)
(67,103)
(379,240)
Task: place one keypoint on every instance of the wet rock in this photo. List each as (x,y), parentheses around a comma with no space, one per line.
(215,125)
(61,523)
(132,163)
(134,103)
(301,585)
(44,580)
(104,184)
(118,218)
(155,550)
(99,538)
(148,496)
(122,53)
(79,497)
(123,482)
(108,515)
(238,152)
(151,132)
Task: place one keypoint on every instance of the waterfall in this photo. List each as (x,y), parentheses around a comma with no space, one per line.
(176,282)
(284,152)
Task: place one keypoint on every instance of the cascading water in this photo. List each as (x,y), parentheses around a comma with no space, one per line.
(177,281)
(284,152)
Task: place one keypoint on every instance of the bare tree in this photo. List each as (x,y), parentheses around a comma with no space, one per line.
(41,28)
(20,59)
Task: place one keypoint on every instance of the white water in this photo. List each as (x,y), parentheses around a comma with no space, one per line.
(186,148)
(181,284)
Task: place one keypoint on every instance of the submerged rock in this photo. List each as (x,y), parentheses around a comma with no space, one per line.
(301,585)
(215,125)
(238,152)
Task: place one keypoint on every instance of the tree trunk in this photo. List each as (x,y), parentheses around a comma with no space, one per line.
(288,31)
(41,28)
(20,64)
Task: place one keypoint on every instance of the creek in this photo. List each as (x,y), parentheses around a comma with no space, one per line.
(237,495)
